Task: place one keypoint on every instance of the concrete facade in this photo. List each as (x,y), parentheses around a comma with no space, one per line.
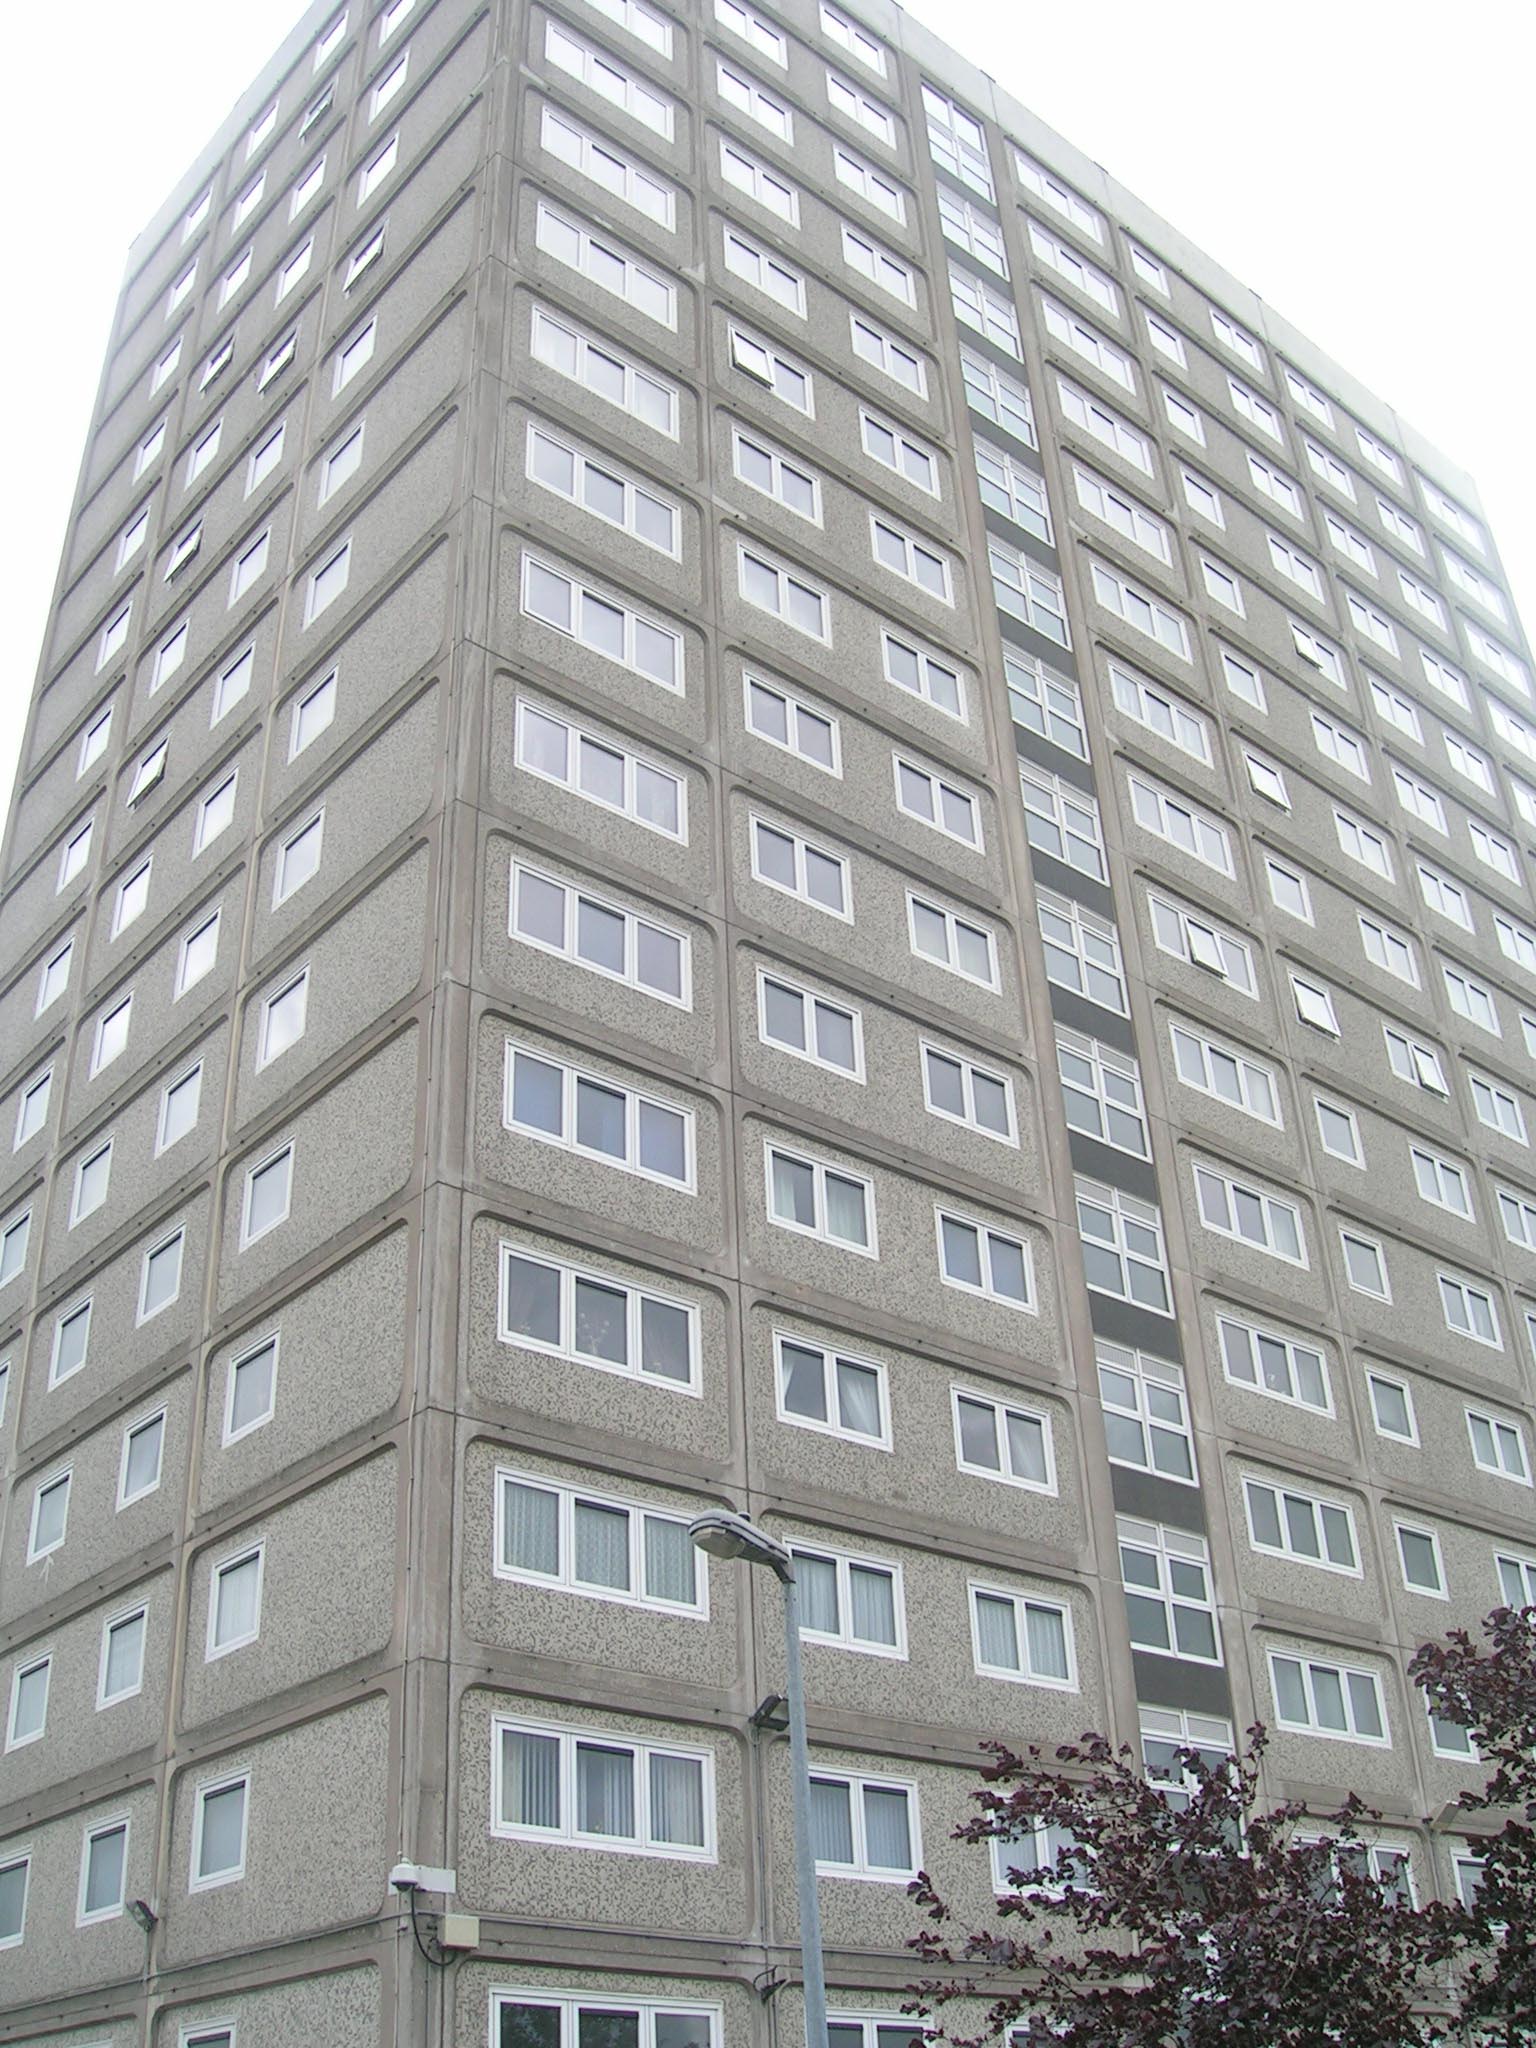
(739,796)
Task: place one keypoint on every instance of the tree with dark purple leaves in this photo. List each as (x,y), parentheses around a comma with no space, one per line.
(1178,1913)
(1490,1690)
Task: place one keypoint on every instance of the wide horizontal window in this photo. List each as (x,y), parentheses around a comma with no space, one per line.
(602,1119)
(584,1789)
(610,1549)
(594,1318)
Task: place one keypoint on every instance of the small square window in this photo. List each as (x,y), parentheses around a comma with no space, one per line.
(199,951)
(234,1602)
(160,1281)
(179,1104)
(268,1192)
(32,1108)
(312,713)
(121,1674)
(233,684)
(143,1451)
(218,1835)
(28,1720)
(1339,1130)
(132,898)
(327,582)
(298,859)
(215,813)
(92,1176)
(1392,1407)
(282,1018)
(1365,1265)
(252,1391)
(50,1516)
(103,1873)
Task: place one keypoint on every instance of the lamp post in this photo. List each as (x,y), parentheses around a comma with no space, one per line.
(726,1535)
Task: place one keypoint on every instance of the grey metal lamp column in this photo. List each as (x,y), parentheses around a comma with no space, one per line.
(726,1535)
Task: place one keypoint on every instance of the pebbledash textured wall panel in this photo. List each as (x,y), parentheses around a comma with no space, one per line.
(739,796)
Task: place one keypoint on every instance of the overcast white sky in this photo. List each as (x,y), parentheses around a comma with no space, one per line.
(1365,165)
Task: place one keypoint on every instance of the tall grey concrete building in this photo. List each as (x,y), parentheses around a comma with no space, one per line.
(739,795)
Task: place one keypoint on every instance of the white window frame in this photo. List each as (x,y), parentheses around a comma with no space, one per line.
(576,896)
(1273,1356)
(270,1162)
(1309,1506)
(1507,1439)
(635,1297)
(1126,1212)
(844,1564)
(198,1879)
(1168,1547)
(173,1240)
(1460,1302)
(1351,1731)
(1067,927)
(644,1843)
(630,806)
(1254,1088)
(269,1346)
(832,1357)
(640,630)
(634,1100)
(638,1515)
(954,925)
(1107,1079)
(1410,1435)
(819,1227)
(802,849)
(970,1071)
(1021,1605)
(648,290)
(1202,942)
(1270,1209)
(643,395)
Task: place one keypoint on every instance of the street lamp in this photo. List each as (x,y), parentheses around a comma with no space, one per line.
(727,1535)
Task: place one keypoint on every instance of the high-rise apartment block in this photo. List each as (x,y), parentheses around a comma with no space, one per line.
(739,796)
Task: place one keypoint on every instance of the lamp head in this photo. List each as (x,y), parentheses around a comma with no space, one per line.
(721,1534)
(143,1915)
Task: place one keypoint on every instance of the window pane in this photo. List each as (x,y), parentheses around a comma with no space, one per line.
(531,1779)
(794,1190)
(817,1577)
(996,1632)
(858,1398)
(669,1560)
(831,1822)
(223,1828)
(605,1790)
(533,1300)
(532,1533)
(962,1252)
(664,1346)
(845,1209)
(978,1435)
(1026,1447)
(599,1118)
(805,1391)
(873,1599)
(529,2026)
(599,2029)
(1047,1642)
(602,1329)
(602,1546)
(104,1871)
(885,1827)
(677,1800)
